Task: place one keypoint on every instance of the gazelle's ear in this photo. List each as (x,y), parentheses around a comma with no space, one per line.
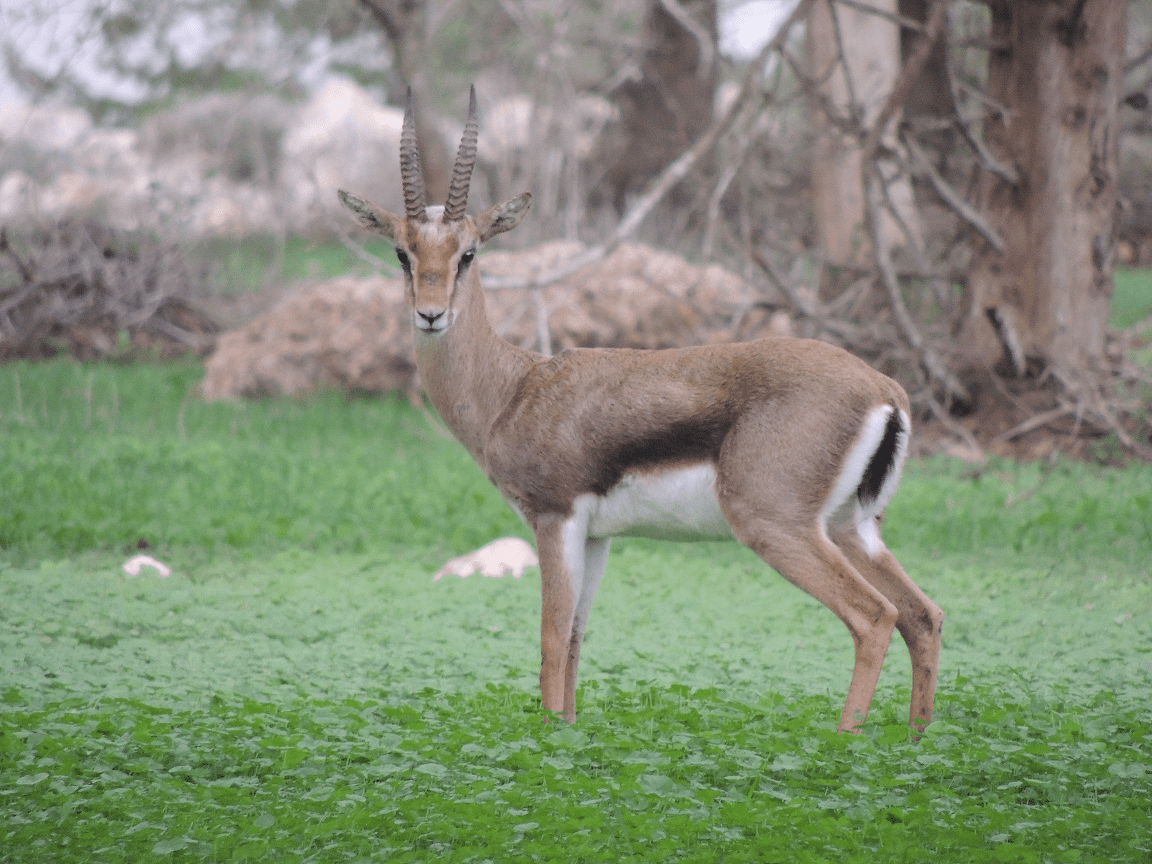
(370,216)
(503,216)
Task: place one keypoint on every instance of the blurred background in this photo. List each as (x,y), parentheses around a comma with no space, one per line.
(960,192)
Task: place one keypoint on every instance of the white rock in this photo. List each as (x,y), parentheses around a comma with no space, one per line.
(506,555)
(133,566)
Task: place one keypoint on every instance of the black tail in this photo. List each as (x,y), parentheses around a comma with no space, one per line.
(882,462)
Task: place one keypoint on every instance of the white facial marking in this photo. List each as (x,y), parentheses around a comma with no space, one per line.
(432,234)
(430,331)
(673,504)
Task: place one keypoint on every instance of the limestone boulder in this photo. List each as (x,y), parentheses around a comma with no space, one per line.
(350,334)
(637,297)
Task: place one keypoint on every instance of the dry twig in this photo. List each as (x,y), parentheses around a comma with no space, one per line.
(669,177)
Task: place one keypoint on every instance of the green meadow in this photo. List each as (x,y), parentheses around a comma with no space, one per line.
(300,690)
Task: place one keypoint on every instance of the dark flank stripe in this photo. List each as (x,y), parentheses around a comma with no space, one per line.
(680,442)
(881,464)
(548,487)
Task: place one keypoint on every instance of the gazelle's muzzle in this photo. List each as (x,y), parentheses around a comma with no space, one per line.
(432,319)
(432,308)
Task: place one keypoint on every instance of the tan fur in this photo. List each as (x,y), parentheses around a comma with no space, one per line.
(777,419)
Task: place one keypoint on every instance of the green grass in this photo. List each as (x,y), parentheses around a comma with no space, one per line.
(300,689)
(104,456)
(251,263)
(1131,296)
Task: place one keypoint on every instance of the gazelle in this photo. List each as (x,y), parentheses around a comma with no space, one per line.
(791,446)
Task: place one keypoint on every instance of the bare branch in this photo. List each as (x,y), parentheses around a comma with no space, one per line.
(355,248)
(800,303)
(6,247)
(391,16)
(874,188)
(718,192)
(903,21)
(179,334)
(1089,402)
(937,15)
(932,363)
(1139,60)
(855,109)
(953,198)
(995,105)
(812,89)
(707,53)
(669,177)
(924,266)
(1033,422)
(1007,173)
(941,414)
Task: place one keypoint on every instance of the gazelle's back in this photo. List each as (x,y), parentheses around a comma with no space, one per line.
(582,420)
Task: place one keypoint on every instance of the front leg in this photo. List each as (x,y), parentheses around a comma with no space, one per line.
(560,546)
(595,558)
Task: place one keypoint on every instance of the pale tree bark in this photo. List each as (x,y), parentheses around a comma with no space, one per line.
(1044,301)
(854,57)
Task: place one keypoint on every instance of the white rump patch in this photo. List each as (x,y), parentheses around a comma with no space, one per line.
(672,504)
(843,506)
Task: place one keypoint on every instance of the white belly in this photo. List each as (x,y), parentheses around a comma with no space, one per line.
(674,504)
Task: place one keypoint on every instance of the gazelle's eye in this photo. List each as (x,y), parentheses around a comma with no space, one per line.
(402,257)
(465,260)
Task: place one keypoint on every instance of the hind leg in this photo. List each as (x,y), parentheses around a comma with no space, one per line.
(920,620)
(807,559)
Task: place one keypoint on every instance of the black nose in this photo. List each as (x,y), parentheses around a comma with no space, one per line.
(432,317)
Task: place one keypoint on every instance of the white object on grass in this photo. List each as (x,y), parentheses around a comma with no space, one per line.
(506,555)
(132,566)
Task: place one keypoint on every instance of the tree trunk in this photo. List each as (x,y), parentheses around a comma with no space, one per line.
(405,23)
(668,105)
(871,45)
(930,95)
(1045,301)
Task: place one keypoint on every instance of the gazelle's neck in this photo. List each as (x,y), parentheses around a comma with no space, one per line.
(470,373)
